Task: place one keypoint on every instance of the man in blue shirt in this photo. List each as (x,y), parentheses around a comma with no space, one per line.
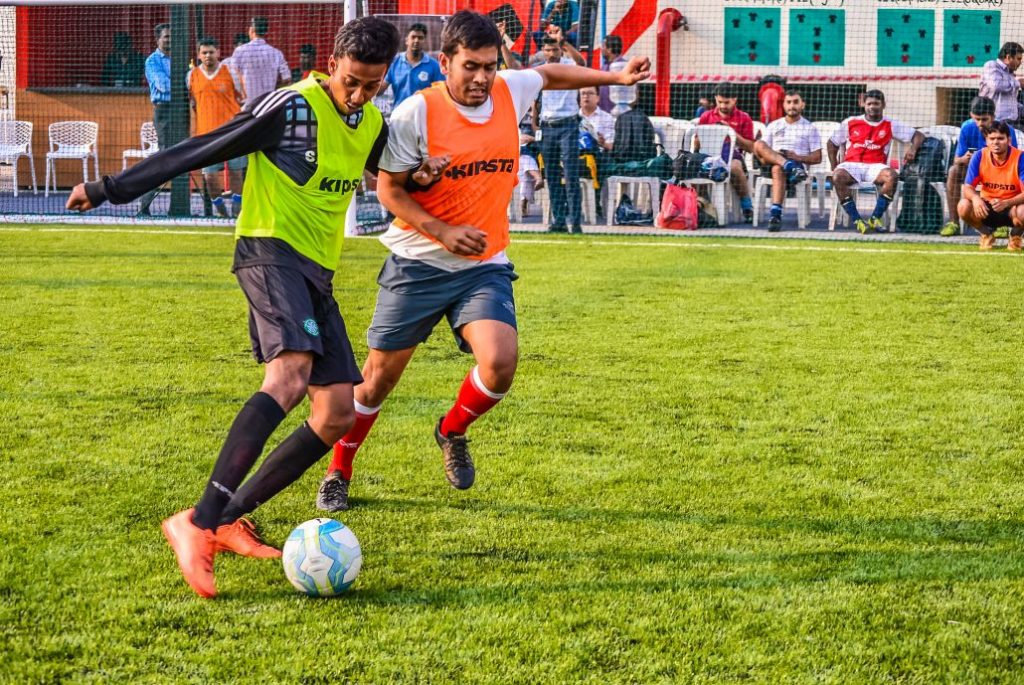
(982,112)
(413,70)
(158,74)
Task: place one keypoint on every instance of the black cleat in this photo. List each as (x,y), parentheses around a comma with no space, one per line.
(557,228)
(576,228)
(458,465)
(333,493)
(775,224)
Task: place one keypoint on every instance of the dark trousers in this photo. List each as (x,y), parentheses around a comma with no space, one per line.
(561,149)
(162,124)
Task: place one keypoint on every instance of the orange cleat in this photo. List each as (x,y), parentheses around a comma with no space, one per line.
(240,537)
(195,548)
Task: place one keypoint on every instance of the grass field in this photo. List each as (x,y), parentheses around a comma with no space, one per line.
(722,461)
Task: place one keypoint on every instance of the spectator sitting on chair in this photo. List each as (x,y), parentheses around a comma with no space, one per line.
(216,97)
(559,144)
(634,137)
(307,62)
(726,113)
(998,170)
(1000,82)
(867,139)
(791,139)
(261,66)
(703,104)
(124,66)
(413,70)
(600,121)
(970,141)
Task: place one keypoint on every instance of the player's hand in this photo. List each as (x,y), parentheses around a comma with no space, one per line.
(78,201)
(1000,205)
(555,32)
(790,155)
(467,241)
(637,69)
(431,170)
(980,208)
(910,155)
(501,28)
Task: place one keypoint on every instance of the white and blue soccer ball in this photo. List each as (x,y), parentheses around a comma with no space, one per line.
(322,557)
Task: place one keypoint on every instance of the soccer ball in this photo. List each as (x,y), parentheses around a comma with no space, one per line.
(322,557)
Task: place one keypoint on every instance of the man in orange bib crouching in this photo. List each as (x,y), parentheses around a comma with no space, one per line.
(993,192)
(449,238)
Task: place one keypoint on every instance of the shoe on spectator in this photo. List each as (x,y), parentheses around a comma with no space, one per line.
(798,175)
(774,224)
(576,228)
(557,228)
(950,229)
(987,242)
(1002,232)
(1016,244)
(864,226)
(748,216)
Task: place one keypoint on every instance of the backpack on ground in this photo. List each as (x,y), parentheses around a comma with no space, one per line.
(679,209)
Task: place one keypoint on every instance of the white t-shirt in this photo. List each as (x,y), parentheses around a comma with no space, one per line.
(407,148)
(603,123)
(801,136)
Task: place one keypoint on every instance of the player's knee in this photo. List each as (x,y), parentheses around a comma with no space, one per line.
(337,423)
(963,209)
(499,372)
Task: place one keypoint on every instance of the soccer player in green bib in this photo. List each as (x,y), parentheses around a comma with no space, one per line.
(307,146)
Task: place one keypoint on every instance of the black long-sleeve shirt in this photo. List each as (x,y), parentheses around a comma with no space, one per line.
(281,124)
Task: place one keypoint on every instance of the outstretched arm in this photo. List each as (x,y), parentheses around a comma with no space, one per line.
(570,77)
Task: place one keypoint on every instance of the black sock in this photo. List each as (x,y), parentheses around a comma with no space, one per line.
(253,426)
(281,468)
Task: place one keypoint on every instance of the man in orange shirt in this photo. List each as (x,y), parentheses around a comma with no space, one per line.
(448,241)
(997,170)
(216,98)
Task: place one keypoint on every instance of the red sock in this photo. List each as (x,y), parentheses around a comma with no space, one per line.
(345,449)
(473,401)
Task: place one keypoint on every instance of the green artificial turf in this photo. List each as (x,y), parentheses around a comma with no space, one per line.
(720,462)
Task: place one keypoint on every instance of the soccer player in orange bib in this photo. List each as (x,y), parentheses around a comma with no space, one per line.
(448,241)
(993,193)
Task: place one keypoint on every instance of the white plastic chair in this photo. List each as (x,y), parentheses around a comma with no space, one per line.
(822,172)
(72,140)
(15,143)
(150,144)
(762,188)
(615,185)
(674,134)
(711,138)
(891,213)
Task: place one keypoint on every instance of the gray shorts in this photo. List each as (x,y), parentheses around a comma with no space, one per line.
(413,297)
(287,313)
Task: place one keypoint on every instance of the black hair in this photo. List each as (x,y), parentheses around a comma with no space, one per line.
(307,49)
(791,92)
(982,105)
(996,127)
(418,27)
(471,30)
(207,40)
(241,38)
(122,40)
(614,43)
(1010,49)
(159,29)
(368,40)
(548,40)
(726,89)
(260,26)
(875,94)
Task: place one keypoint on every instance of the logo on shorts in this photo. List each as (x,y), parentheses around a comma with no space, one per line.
(309,325)
(509,306)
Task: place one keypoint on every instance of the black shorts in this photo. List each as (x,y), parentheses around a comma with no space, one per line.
(997,219)
(287,312)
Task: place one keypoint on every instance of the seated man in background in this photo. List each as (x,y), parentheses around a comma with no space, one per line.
(971,140)
(997,170)
(867,139)
(592,117)
(789,139)
(634,137)
(726,113)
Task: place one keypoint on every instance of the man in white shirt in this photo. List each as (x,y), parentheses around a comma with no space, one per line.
(261,66)
(560,148)
(602,123)
(794,139)
(448,242)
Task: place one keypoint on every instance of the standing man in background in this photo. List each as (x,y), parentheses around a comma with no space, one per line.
(413,70)
(215,96)
(307,62)
(560,147)
(158,75)
(999,81)
(260,65)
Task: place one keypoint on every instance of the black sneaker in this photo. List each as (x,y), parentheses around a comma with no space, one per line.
(798,175)
(557,228)
(774,224)
(748,216)
(333,493)
(458,465)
